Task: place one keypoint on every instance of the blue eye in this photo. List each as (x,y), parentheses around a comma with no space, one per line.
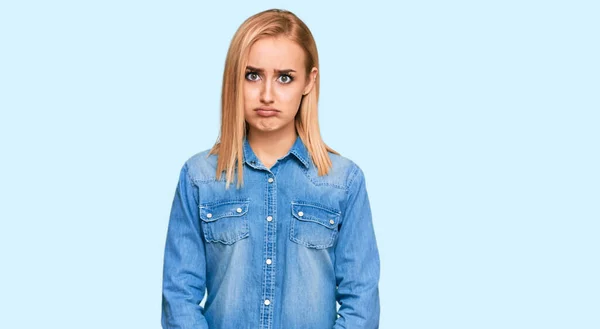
(288,78)
(252,76)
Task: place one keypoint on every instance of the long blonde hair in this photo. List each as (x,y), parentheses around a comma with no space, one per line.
(229,147)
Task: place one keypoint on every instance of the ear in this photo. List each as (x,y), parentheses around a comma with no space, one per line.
(312,78)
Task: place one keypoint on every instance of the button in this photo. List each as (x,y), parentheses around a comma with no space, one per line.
(267,302)
(331,221)
(240,210)
(209,215)
(300,213)
(270,179)
(269,218)
(269,261)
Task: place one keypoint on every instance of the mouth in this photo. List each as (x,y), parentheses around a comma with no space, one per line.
(266,111)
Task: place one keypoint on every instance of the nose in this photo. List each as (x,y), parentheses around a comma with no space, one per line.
(266,93)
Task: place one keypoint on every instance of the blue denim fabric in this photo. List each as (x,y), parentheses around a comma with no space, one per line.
(276,253)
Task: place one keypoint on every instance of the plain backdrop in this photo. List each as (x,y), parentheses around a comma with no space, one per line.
(476,124)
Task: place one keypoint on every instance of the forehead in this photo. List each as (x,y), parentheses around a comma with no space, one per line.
(276,53)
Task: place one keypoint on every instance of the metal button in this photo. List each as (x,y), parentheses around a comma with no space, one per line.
(269,218)
(270,179)
(269,261)
(240,210)
(209,215)
(267,302)
(300,213)
(331,221)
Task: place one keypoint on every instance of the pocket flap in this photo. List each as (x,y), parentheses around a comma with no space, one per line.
(319,214)
(212,211)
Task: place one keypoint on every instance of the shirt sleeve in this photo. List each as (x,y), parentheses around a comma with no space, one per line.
(357,263)
(184,269)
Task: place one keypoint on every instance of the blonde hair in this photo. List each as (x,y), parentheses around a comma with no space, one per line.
(229,147)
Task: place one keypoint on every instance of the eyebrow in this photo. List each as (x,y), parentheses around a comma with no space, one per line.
(256,69)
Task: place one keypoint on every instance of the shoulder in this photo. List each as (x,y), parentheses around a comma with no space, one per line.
(201,166)
(342,173)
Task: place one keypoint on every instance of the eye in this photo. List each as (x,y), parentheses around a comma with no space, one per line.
(252,76)
(286,78)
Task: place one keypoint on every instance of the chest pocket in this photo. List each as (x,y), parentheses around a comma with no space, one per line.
(313,225)
(225,221)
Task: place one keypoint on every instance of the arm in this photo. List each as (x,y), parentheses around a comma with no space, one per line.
(184,270)
(357,261)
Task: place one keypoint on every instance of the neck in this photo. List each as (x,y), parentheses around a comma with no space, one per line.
(270,146)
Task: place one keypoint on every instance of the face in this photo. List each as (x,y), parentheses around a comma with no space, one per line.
(275,81)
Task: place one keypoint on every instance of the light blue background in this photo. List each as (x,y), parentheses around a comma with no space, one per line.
(476,124)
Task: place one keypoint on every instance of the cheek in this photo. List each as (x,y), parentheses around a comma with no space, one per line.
(289,94)
(251,92)
(251,99)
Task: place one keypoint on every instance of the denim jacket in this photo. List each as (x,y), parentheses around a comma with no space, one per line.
(277,253)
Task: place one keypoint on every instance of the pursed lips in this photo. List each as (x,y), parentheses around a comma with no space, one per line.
(266,112)
(266,109)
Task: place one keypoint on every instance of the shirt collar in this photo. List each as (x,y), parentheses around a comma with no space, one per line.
(298,150)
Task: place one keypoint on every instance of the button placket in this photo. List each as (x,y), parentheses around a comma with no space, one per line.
(269,253)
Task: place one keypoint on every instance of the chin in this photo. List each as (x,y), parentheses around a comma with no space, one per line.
(266,126)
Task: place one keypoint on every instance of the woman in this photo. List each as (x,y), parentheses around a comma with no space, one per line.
(295,235)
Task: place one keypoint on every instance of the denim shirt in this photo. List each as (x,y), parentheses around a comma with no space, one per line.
(277,253)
